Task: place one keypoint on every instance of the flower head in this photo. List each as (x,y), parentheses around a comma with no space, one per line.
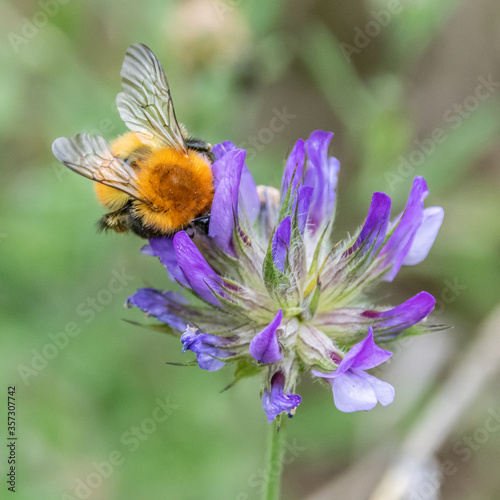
(279,295)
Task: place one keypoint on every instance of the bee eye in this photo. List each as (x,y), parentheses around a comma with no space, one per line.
(190,231)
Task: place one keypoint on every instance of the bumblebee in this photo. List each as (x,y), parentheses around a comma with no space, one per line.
(156,179)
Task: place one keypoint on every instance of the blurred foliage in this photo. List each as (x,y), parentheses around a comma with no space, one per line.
(231,64)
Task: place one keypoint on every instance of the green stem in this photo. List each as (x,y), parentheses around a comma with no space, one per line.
(275,459)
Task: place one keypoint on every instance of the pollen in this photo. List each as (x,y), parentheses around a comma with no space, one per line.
(179,187)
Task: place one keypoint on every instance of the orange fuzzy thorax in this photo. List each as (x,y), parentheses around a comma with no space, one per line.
(179,187)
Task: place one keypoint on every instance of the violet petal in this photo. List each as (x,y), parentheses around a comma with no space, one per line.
(275,401)
(364,355)
(201,277)
(373,233)
(219,150)
(281,243)
(248,196)
(225,203)
(160,305)
(401,240)
(205,347)
(351,393)
(322,173)
(164,249)
(384,391)
(425,236)
(294,167)
(265,347)
(405,315)
(304,194)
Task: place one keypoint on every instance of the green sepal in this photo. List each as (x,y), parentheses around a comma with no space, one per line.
(286,205)
(313,270)
(274,279)
(313,305)
(186,363)
(413,331)
(157,327)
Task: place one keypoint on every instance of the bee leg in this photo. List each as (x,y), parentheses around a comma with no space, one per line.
(119,221)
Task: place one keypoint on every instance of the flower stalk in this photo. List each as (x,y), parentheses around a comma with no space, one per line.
(275,459)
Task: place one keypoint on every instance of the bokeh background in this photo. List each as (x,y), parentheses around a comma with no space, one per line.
(409,88)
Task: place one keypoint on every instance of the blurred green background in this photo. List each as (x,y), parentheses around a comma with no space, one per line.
(409,88)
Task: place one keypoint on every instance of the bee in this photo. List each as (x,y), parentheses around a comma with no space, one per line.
(155,179)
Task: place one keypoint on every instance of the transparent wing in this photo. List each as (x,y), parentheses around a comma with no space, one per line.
(91,157)
(145,104)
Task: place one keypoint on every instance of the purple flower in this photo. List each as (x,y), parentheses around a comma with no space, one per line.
(207,348)
(321,174)
(264,347)
(353,389)
(271,256)
(406,228)
(403,316)
(276,400)
(373,233)
(387,324)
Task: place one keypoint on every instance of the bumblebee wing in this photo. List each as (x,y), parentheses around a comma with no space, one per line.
(91,157)
(145,104)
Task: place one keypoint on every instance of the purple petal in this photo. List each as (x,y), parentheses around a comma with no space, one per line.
(219,150)
(281,243)
(147,250)
(405,315)
(322,172)
(294,167)
(224,210)
(164,306)
(373,233)
(401,240)
(265,347)
(275,402)
(355,390)
(426,234)
(304,194)
(364,355)
(384,391)
(248,195)
(205,346)
(201,277)
(351,393)
(164,249)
